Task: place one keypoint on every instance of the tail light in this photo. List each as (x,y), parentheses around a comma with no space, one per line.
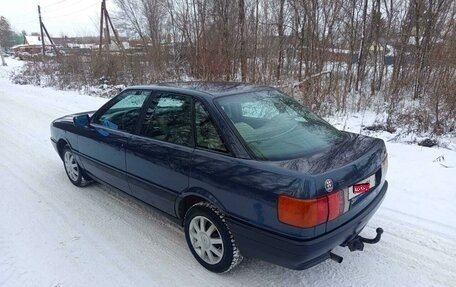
(336,204)
(310,212)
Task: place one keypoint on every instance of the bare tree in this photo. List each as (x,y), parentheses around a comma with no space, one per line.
(242,52)
(387,51)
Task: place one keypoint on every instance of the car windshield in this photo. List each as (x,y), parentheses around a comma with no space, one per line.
(276,127)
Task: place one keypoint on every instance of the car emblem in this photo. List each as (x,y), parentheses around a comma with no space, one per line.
(329,185)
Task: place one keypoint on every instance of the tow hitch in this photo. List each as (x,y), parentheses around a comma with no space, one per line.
(357,243)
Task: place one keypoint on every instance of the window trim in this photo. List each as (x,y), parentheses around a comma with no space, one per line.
(162,142)
(98,126)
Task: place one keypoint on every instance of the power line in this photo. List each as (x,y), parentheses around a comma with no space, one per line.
(27,20)
(58,8)
(82,9)
(55,3)
(73,12)
(73,3)
(28,12)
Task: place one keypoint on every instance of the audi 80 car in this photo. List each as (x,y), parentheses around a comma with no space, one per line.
(247,170)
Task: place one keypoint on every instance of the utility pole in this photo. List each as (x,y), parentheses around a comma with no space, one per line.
(51,41)
(107,34)
(101,27)
(104,17)
(116,35)
(41,30)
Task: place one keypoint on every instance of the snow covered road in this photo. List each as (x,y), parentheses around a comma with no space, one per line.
(54,234)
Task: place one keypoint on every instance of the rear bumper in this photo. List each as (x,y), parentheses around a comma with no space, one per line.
(294,253)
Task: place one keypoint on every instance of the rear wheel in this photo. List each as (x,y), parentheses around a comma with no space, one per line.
(73,170)
(209,238)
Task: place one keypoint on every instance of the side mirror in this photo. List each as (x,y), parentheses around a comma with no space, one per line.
(81,120)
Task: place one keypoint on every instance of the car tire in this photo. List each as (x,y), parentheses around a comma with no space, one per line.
(72,169)
(209,238)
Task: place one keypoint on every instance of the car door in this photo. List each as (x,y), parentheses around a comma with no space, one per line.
(102,144)
(213,168)
(158,157)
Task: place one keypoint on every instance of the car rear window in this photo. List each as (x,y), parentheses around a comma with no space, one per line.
(276,127)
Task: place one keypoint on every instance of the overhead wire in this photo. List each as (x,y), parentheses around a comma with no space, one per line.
(70,13)
(53,4)
(28,12)
(68,6)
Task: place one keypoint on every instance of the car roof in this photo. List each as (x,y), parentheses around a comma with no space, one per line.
(211,89)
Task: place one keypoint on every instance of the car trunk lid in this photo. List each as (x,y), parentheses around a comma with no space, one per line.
(355,160)
(344,163)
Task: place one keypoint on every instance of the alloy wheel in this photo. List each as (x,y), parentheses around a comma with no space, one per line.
(206,240)
(71,166)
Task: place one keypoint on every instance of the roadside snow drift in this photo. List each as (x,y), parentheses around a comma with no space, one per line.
(54,234)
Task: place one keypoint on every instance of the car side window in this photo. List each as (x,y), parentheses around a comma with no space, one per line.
(168,119)
(207,135)
(124,113)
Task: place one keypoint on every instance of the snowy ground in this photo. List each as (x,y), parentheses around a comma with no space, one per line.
(54,234)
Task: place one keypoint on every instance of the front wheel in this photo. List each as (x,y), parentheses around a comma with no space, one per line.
(72,168)
(209,238)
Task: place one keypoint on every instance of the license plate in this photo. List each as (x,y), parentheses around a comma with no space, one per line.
(361,187)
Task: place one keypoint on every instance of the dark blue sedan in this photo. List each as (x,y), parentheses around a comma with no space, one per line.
(244,168)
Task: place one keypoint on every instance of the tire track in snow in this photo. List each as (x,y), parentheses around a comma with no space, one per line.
(418,248)
(451,229)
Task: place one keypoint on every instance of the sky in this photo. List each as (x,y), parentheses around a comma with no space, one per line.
(61,17)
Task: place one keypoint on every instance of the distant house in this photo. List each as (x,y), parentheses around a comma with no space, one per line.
(30,47)
(84,44)
(35,41)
